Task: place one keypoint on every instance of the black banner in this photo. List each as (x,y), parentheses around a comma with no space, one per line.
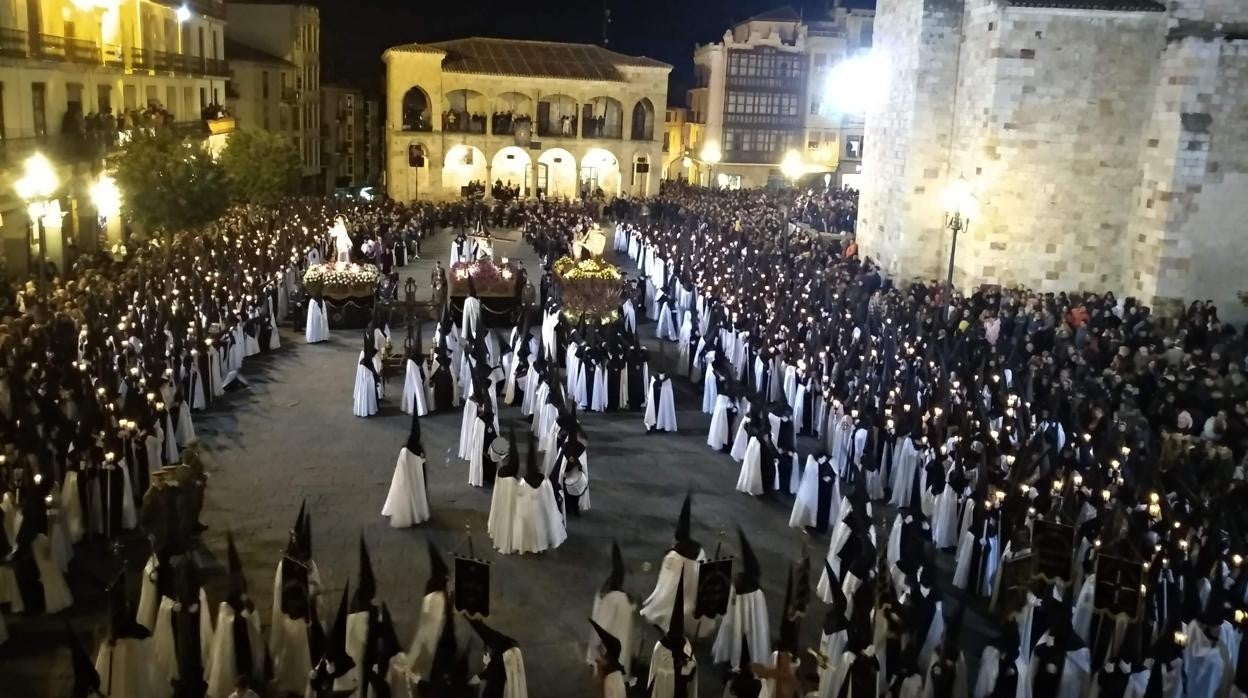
(1054,544)
(1016,575)
(714,587)
(472,587)
(1117,590)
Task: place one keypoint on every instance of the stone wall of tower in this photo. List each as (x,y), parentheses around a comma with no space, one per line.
(1187,236)
(1050,108)
(908,133)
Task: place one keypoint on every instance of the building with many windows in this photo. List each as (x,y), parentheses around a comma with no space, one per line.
(261,93)
(761,93)
(552,118)
(350,128)
(291,33)
(74,75)
(682,143)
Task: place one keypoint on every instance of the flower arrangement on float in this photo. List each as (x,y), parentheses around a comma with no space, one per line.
(590,289)
(488,277)
(342,280)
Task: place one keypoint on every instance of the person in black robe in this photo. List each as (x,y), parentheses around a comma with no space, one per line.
(190,682)
(442,381)
(638,360)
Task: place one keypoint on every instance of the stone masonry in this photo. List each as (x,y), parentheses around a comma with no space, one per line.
(1108,148)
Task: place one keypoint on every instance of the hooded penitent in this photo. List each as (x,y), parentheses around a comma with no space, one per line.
(685,545)
(414,444)
(611,648)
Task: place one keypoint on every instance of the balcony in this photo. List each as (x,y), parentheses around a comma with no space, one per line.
(780,121)
(12,43)
(48,47)
(82,51)
(216,67)
(114,56)
(140,59)
(564,127)
(755,157)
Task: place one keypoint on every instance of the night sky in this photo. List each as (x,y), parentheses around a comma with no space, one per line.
(355,32)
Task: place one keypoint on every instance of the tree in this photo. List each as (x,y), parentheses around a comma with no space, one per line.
(169,183)
(261,167)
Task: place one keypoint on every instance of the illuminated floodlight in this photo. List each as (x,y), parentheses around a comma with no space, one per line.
(856,84)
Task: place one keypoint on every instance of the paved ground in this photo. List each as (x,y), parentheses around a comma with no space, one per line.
(292,437)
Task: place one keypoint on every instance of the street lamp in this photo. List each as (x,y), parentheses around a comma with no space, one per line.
(107,200)
(791,166)
(711,156)
(183,14)
(36,187)
(960,207)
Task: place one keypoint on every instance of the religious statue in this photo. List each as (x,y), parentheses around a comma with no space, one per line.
(342,240)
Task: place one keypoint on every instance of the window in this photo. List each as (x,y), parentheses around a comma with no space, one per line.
(39,101)
(203,97)
(202,48)
(103,98)
(819,60)
(264,84)
(171,100)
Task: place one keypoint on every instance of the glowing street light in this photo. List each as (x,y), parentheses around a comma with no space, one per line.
(856,84)
(791,166)
(183,14)
(106,198)
(36,187)
(711,156)
(960,206)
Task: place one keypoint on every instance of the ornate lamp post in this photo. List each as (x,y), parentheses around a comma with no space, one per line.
(960,207)
(36,186)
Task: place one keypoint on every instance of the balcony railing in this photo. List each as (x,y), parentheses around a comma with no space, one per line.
(557,128)
(216,66)
(140,59)
(82,51)
(48,46)
(753,156)
(114,56)
(13,43)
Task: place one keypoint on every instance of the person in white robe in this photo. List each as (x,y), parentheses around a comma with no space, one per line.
(334,663)
(361,619)
(470,317)
(237,645)
(661,406)
(499,526)
(673,668)
(613,612)
(316,327)
(503,674)
(538,523)
(415,397)
(679,563)
(407,502)
(182,638)
(435,614)
(296,586)
(124,660)
(747,613)
(367,379)
(609,670)
(818,496)
(719,435)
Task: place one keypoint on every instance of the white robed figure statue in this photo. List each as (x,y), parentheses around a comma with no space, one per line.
(341,239)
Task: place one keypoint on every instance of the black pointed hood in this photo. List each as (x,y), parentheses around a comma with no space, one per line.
(86,678)
(611,647)
(414,444)
(336,649)
(448,676)
(749,578)
(511,468)
(615,582)
(495,642)
(472,287)
(685,545)
(296,534)
(674,638)
(122,624)
(532,472)
(835,619)
(236,596)
(745,684)
(439,574)
(366,588)
(801,588)
(787,641)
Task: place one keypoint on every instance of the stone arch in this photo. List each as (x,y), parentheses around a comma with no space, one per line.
(511,109)
(556,116)
(643,121)
(512,166)
(466,111)
(417,114)
(556,173)
(463,165)
(603,117)
(600,169)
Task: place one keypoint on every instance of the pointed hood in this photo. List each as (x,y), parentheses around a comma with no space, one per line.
(439,574)
(495,642)
(296,534)
(336,648)
(801,589)
(414,444)
(745,684)
(787,641)
(611,647)
(447,675)
(86,678)
(511,468)
(685,545)
(237,593)
(532,472)
(749,578)
(366,589)
(615,582)
(472,287)
(122,624)
(674,638)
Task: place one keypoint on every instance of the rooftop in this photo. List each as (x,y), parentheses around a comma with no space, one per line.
(532,58)
(1105,5)
(235,51)
(784,13)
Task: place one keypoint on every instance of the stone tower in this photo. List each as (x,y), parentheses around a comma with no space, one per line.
(1106,140)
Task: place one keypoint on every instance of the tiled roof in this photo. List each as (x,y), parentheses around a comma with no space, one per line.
(532,58)
(235,51)
(1106,5)
(784,13)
